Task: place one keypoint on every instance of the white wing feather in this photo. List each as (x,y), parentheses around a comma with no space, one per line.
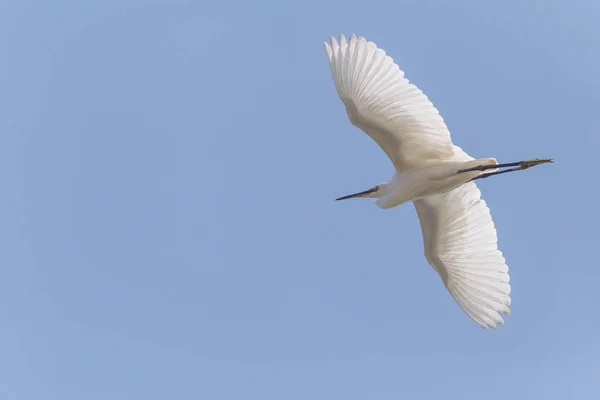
(381,101)
(460,243)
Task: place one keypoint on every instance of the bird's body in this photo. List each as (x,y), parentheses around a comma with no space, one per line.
(418,183)
(458,233)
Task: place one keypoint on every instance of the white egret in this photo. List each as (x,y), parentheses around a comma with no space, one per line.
(459,237)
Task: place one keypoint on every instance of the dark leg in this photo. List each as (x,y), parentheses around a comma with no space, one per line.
(520,165)
(495,173)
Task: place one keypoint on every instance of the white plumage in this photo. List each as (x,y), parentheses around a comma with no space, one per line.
(459,236)
(383,103)
(460,243)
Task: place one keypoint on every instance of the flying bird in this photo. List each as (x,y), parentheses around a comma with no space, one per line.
(459,237)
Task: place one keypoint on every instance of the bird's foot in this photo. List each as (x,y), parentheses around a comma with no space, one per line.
(533,162)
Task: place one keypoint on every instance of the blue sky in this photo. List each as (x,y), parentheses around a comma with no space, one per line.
(169,229)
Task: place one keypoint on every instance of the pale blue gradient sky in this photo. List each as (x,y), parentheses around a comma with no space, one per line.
(169,229)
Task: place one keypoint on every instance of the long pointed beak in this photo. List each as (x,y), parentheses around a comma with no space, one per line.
(360,194)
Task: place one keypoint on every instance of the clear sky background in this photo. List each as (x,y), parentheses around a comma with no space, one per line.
(168,223)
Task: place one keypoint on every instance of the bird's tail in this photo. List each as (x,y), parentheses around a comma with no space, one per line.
(487,161)
(470,162)
(471,169)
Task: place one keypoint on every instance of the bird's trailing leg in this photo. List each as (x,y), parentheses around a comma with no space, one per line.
(521,165)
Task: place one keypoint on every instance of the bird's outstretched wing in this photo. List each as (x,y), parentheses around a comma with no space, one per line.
(460,243)
(381,101)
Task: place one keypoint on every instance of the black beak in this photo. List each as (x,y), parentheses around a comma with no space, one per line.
(360,194)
